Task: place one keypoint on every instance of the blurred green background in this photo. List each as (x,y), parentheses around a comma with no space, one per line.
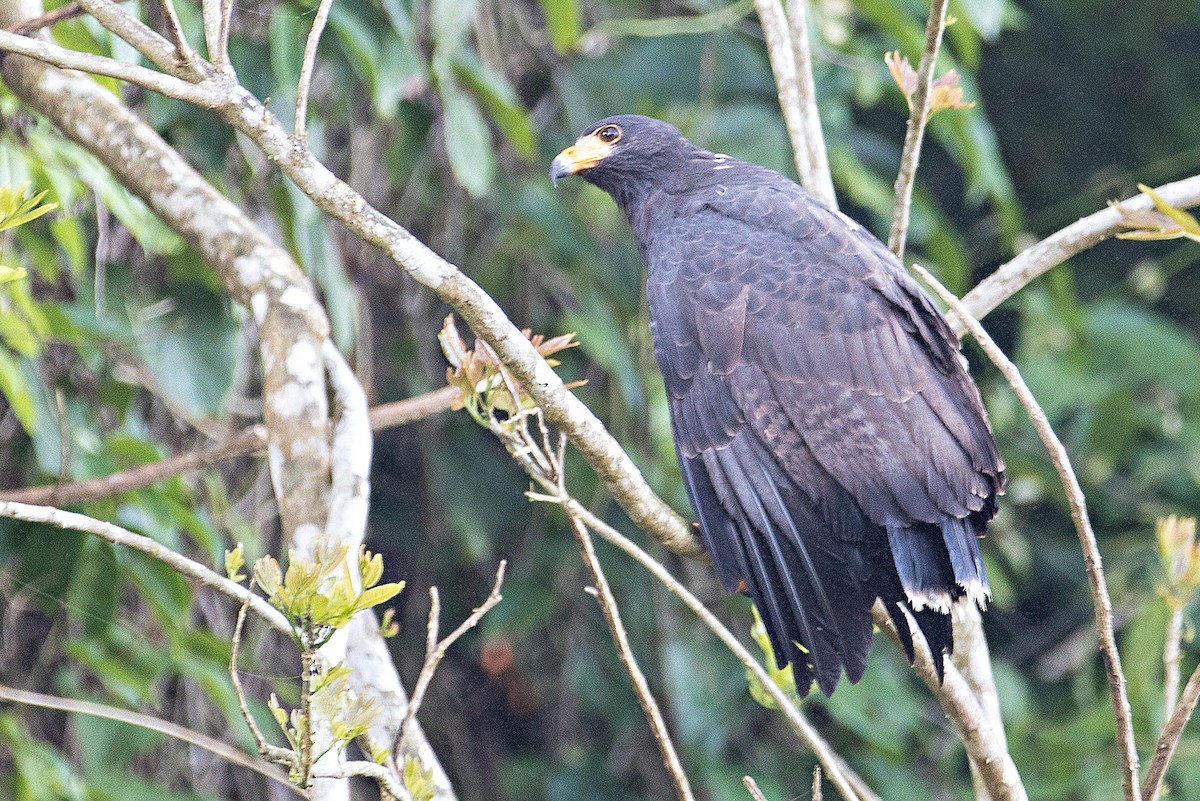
(122,348)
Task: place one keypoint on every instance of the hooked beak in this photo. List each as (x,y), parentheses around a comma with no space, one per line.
(587,152)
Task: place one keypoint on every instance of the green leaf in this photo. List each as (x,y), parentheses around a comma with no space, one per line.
(235,560)
(468,141)
(380,594)
(16,391)
(500,100)
(11,274)
(562,23)
(1186,221)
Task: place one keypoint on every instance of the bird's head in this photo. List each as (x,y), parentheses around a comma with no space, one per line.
(618,153)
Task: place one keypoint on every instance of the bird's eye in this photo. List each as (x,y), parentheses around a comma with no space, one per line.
(609,134)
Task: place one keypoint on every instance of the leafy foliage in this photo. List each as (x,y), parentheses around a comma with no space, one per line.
(117,347)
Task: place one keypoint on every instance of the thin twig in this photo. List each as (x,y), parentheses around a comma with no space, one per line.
(816,784)
(848,783)
(752,788)
(245,442)
(814,138)
(169,85)
(436,649)
(188,568)
(1171,660)
(1101,600)
(282,756)
(1169,739)
(176,30)
(212,745)
(915,132)
(69,11)
(641,688)
(306,69)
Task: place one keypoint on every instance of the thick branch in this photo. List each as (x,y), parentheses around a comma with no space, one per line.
(958,701)
(798,105)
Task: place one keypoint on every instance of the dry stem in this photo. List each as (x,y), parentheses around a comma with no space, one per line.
(221,749)
(1101,601)
(282,756)
(306,69)
(752,788)
(436,649)
(915,133)
(641,688)
(251,439)
(1169,739)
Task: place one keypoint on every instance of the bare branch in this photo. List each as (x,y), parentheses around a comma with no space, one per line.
(752,788)
(1171,660)
(795,103)
(212,745)
(136,33)
(100,65)
(217,14)
(306,69)
(69,11)
(245,442)
(72,521)
(641,688)
(248,440)
(1101,601)
(436,649)
(915,132)
(814,137)
(282,756)
(1169,739)
(987,752)
(1077,237)
(177,35)
(849,784)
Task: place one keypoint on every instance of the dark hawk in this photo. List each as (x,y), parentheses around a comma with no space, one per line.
(833,446)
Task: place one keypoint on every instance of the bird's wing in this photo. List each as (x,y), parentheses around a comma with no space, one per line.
(818,400)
